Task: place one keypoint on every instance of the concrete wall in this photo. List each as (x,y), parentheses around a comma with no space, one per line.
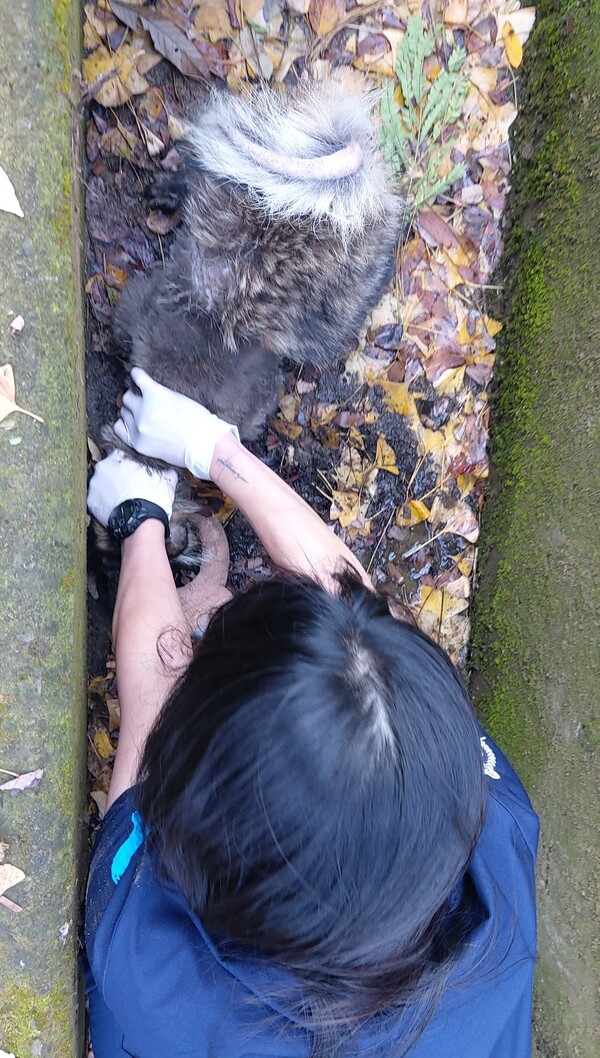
(536,655)
(42,535)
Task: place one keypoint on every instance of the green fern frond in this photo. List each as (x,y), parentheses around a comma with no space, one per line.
(412,137)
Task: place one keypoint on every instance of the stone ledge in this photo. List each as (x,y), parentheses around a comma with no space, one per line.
(42,536)
(537,612)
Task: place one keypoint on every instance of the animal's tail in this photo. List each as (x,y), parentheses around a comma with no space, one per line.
(310,153)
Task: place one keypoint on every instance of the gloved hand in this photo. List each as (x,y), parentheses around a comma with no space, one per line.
(118,478)
(166,425)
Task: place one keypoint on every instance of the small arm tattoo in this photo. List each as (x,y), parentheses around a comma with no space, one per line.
(228,465)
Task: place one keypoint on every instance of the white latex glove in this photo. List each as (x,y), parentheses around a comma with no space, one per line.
(118,478)
(166,425)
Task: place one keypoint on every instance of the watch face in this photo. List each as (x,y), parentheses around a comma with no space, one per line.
(130,514)
(124,520)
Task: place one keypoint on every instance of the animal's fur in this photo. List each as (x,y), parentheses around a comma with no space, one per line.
(290,226)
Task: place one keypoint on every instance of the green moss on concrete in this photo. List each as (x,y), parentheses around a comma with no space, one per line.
(42,545)
(27,1017)
(535,656)
(67,20)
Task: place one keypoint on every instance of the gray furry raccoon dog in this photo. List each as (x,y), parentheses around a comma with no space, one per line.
(288,240)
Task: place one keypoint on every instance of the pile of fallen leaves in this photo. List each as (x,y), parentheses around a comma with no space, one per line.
(396,446)
(103,729)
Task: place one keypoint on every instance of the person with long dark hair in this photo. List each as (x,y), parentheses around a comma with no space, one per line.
(311,849)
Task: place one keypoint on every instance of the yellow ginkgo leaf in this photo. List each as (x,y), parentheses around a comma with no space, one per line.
(465,566)
(104,746)
(450,381)
(397,397)
(385,457)
(493,327)
(439,603)
(345,507)
(412,513)
(465,483)
(514,48)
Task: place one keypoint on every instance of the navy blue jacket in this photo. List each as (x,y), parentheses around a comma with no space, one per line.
(172,993)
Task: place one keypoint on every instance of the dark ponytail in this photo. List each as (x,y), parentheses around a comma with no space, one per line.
(314,786)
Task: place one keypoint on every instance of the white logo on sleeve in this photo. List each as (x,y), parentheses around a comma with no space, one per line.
(489,759)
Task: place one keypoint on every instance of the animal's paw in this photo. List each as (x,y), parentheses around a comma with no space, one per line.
(167,192)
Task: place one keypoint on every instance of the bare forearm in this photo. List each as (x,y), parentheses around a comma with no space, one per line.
(151,641)
(294,536)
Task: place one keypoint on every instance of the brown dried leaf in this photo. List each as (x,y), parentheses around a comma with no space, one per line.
(100,797)
(10,904)
(8,404)
(464,523)
(329,438)
(291,430)
(346,419)
(481,368)
(162,223)
(355,471)
(212,20)
(459,588)
(430,223)
(323,15)
(119,141)
(168,40)
(252,8)
(322,414)
(444,359)
(389,337)
(27,781)
(94,451)
(114,713)
(288,406)
(456,13)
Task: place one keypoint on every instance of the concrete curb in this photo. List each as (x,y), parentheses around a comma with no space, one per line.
(42,535)
(537,612)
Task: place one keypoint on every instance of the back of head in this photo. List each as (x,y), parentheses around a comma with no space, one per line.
(315,788)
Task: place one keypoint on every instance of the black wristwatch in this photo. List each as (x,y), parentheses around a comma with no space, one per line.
(130,514)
